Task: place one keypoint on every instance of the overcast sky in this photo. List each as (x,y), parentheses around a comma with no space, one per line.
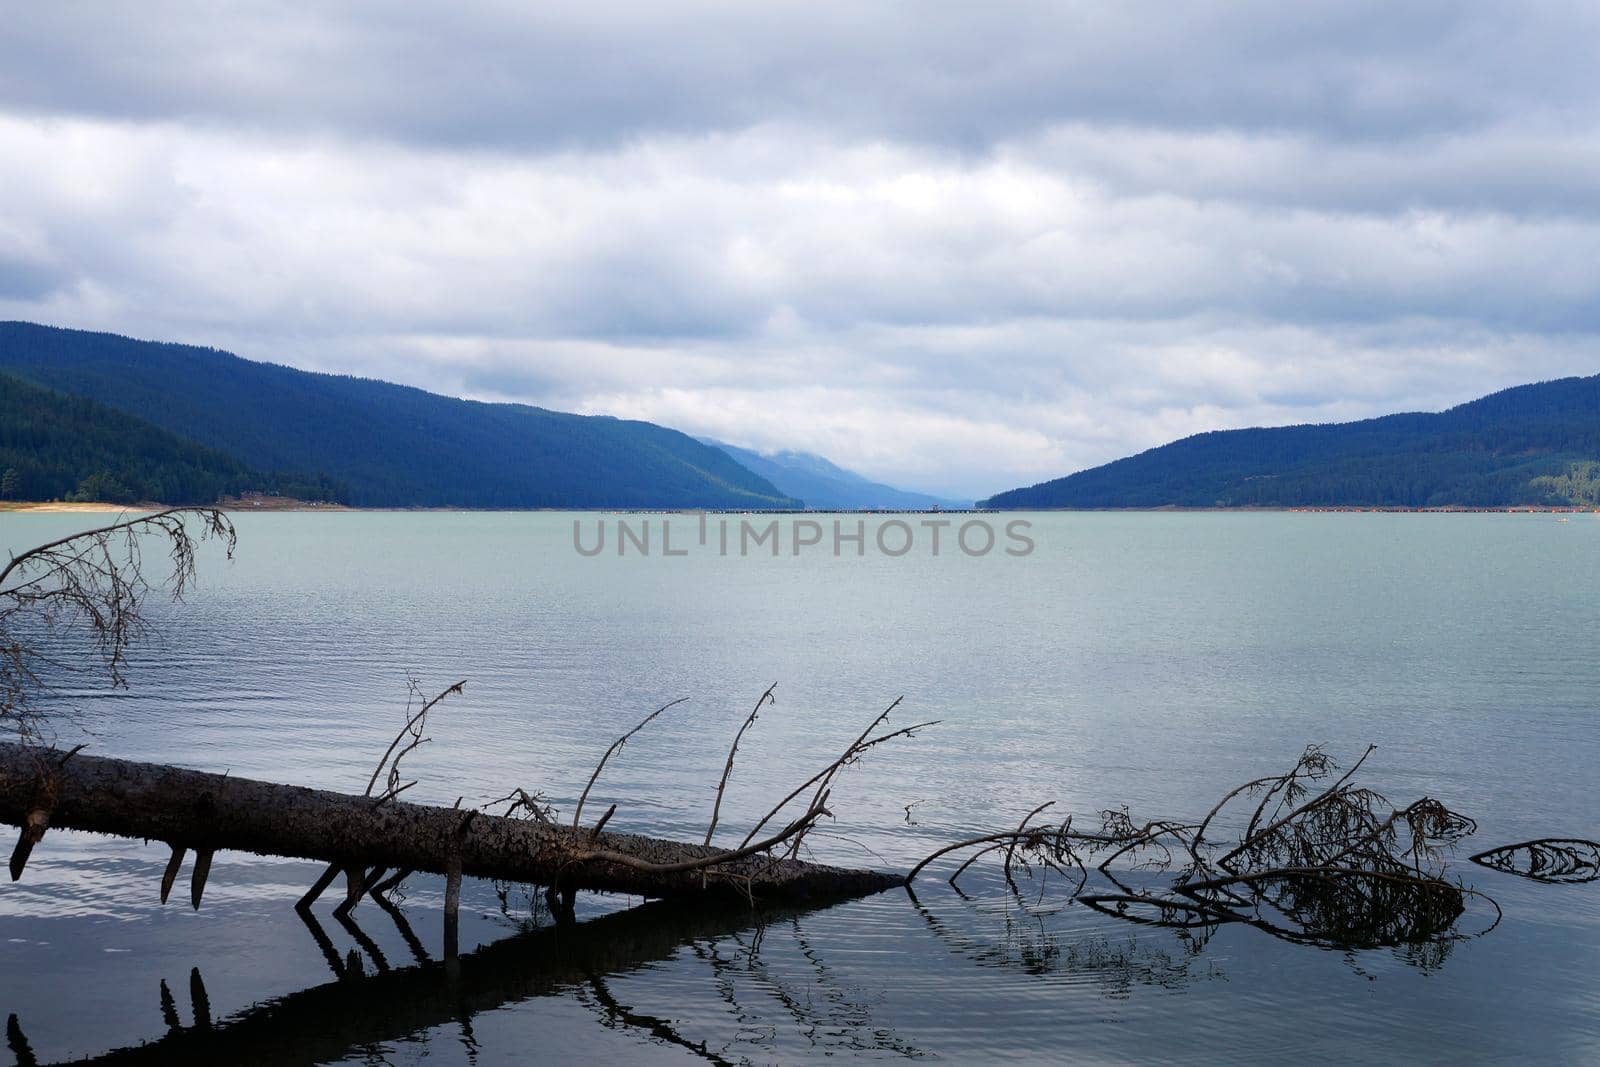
(956,246)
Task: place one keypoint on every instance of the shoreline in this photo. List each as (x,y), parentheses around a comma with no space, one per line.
(65,506)
(236,507)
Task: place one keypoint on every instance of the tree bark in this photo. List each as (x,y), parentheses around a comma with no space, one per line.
(203,812)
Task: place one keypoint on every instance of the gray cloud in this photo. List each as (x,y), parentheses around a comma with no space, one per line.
(496,74)
(958,246)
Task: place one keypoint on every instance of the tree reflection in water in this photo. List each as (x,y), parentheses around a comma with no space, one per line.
(361,1010)
(1017,935)
(764,998)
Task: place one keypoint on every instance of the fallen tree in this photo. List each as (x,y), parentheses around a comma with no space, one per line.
(200,812)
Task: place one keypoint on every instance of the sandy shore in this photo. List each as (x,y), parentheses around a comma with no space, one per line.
(18,505)
(228,504)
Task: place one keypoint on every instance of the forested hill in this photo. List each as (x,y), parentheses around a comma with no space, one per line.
(56,447)
(390,444)
(1533,444)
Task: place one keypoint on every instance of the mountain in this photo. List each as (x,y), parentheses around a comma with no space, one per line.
(56,447)
(825,486)
(1533,444)
(391,445)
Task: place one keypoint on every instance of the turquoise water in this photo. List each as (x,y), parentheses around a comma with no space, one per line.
(1152,660)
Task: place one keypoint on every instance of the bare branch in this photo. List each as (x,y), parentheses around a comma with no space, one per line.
(616,745)
(799,826)
(1011,849)
(857,748)
(1252,838)
(413,727)
(733,751)
(94,580)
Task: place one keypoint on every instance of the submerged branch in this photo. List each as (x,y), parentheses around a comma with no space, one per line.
(1342,868)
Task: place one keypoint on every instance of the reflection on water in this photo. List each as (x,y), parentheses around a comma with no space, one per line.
(371,1002)
(1022,938)
(725,983)
(986,972)
(747,957)
(1546,860)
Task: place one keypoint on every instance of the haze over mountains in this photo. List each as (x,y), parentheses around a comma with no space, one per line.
(826,486)
(1532,444)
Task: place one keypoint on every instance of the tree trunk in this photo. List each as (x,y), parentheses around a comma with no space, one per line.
(204,812)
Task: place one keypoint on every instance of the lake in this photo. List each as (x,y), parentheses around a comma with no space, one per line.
(1151,660)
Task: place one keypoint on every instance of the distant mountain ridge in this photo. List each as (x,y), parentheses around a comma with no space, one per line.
(825,486)
(389,445)
(1531,444)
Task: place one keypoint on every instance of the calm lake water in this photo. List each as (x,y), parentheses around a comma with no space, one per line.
(1152,660)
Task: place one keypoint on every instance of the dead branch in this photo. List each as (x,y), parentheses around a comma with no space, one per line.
(415,724)
(854,746)
(1312,765)
(1153,832)
(1039,836)
(413,728)
(616,745)
(1344,867)
(854,752)
(1011,847)
(93,582)
(733,751)
(799,826)
(955,876)
(1254,837)
(532,805)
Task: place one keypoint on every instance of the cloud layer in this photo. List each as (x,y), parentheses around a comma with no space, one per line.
(959,247)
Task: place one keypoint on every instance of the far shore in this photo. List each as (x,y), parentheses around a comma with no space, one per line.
(146,506)
(301,506)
